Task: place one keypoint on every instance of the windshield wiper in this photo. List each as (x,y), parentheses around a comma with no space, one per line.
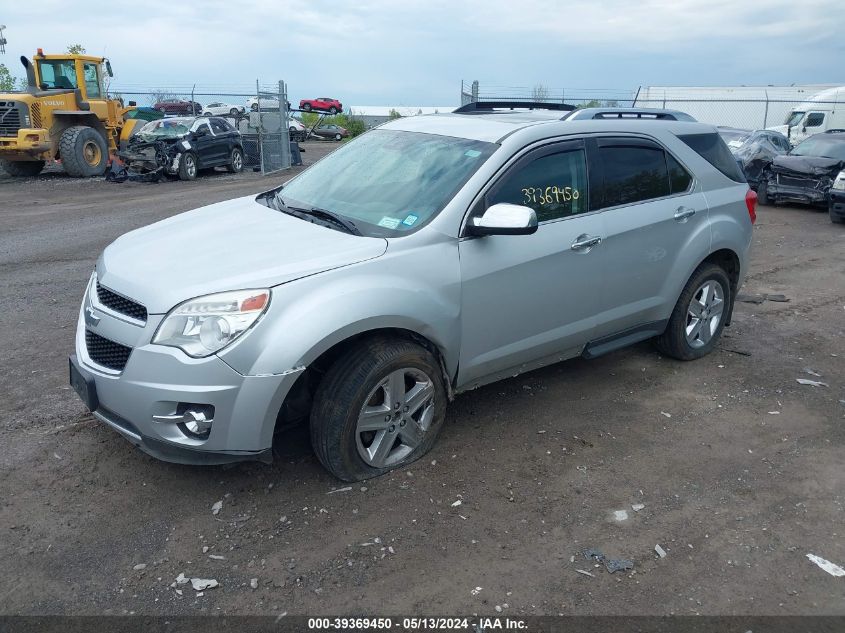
(322,214)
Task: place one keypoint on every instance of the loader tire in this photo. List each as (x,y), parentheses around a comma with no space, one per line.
(83,151)
(22,168)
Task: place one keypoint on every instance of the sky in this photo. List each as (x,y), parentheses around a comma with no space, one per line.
(411,52)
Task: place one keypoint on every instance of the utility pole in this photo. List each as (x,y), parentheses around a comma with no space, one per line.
(2,40)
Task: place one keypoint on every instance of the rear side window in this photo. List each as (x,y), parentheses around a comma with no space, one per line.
(712,148)
(555,185)
(679,178)
(219,126)
(633,174)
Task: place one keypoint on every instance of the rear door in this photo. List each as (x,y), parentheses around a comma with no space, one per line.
(652,210)
(224,136)
(531,297)
(205,144)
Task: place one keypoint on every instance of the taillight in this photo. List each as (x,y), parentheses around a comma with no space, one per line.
(751,203)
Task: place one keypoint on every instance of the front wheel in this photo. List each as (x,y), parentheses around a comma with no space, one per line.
(380,406)
(188,166)
(83,151)
(338,137)
(236,161)
(332,110)
(233,112)
(699,315)
(22,168)
(834,217)
(306,107)
(763,192)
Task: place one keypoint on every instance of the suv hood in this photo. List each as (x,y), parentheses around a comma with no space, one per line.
(226,246)
(807,166)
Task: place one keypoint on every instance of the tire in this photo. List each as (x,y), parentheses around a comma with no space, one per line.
(763,192)
(836,219)
(188,167)
(338,137)
(207,114)
(332,110)
(306,107)
(254,107)
(236,161)
(234,112)
(83,151)
(22,168)
(361,379)
(675,341)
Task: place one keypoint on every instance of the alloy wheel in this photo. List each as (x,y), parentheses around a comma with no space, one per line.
(704,313)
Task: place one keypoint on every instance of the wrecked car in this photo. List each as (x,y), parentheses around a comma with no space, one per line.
(182,146)
(754,150)
(804,175)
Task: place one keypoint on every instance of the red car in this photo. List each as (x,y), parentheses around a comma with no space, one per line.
(322,104)
(178,106)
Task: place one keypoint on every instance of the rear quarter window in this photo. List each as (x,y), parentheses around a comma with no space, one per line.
(712,148)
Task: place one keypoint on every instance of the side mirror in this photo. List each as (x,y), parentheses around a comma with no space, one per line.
(108,68)
(504,219)
(133,103)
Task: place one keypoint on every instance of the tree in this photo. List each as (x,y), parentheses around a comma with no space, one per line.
(76,49)
(160,94)
(393,114)
(540,93)
(7,82)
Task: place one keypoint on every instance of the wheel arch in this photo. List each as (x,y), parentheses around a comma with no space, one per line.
(296,404)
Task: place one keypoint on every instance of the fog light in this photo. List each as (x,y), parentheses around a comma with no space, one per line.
(196,423)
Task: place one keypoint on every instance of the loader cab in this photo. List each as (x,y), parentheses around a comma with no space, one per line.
(72,72)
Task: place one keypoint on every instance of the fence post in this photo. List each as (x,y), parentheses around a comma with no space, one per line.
(284,133)
(766,113)
(260,126)
(475,91)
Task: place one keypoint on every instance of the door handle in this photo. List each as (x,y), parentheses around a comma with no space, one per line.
(585,242)
(682,213)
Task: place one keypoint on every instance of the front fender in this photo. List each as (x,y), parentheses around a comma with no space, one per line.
(416,290)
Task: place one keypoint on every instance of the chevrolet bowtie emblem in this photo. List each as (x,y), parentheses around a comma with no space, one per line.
(91,318)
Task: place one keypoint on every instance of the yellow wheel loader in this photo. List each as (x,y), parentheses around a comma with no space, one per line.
(64,114)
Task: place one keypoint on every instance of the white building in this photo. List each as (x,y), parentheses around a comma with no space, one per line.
(750,107)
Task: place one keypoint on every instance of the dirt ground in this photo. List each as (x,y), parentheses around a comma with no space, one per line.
(739,468)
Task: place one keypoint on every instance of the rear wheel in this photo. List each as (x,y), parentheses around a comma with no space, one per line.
(338,137)
(188,166)
(233,112)
(332,110)
(22,168)
(763,192)
(254,107)
(83,151)
(236,161)
(306,107)
(381,405)
(699,315)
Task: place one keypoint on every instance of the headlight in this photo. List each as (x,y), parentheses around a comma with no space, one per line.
(839,183)
(205,325)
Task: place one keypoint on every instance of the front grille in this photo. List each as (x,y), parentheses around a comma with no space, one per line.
(105,352)
(115,302)
(10,118)
(796,181)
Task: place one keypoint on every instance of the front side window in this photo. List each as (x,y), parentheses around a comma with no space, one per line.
(90,72)
(57,74)
(633,174)
(794,118)
(555,186)
(219,127)
(819,145)
(815,119)
(388,182)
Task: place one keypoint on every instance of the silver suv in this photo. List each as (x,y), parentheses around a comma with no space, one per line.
(424,258)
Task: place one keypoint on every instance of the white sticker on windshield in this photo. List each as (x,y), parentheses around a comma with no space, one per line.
(472,153)
(389,223)
(186,145)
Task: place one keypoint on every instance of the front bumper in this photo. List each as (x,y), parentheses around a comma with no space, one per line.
(793,189)
(29,144)
(160,381)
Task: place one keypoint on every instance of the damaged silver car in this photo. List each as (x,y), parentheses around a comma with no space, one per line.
(182,147)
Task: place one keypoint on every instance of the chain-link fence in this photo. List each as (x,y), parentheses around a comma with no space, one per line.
(260,114)
(768,108)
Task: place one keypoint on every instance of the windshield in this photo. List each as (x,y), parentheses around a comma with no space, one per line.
(166,128)
(794,118)
(57,74)
(388,182)
(826,147)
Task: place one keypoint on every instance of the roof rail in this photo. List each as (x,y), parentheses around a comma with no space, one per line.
(481,107)
(629,113)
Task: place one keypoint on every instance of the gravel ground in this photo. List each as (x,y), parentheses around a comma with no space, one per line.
(738,468)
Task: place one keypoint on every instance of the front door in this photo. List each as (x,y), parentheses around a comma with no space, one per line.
(527,299)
